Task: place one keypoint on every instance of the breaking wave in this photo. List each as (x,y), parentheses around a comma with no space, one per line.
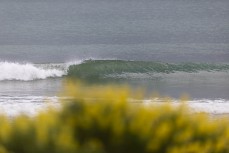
(99,69)
(27,72)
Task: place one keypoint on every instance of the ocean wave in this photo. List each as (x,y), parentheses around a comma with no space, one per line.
(100,69)
(27,72)
(95,69)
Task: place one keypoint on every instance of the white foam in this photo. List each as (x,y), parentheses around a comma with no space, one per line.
(217,106)
(26,72)
(30,105)
(212,106)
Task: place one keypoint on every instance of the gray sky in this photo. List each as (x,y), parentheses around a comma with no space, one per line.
(51,22)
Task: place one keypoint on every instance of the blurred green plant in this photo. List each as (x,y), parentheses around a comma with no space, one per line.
(100,119)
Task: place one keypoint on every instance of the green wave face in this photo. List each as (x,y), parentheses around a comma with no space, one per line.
(98,69)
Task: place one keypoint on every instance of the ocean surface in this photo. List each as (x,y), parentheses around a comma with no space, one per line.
(172,47)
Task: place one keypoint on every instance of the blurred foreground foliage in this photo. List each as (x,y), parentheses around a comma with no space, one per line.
(102,120)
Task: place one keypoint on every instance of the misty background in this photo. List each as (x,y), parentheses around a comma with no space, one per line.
(167,30)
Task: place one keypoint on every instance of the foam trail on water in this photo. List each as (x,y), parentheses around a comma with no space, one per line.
(26,72)
(29,105)
(212,106)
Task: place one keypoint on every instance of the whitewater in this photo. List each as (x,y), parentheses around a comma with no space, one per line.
(30,71)
(27,72)
(31,105)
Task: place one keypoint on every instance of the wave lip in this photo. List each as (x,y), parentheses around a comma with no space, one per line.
(26,72)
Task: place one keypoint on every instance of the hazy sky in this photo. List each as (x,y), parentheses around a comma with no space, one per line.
(52,22)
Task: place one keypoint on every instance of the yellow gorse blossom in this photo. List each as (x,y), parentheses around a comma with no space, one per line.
(107,119)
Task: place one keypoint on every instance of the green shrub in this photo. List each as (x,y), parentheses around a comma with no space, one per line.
(101,119)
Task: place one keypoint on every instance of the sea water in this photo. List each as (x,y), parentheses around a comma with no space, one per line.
(170,47)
